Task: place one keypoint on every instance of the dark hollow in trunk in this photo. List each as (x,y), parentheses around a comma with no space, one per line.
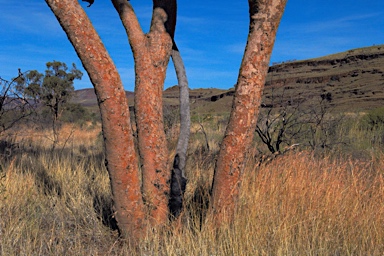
(178,184)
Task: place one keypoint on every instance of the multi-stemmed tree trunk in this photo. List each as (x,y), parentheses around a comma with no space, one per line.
(136,204)
(148,104)
(265,17)
(151,53)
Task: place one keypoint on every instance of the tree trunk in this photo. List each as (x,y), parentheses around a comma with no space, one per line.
(120,157)
(264,20)
(178,180)
(151,60)
(151,53)
(185,115)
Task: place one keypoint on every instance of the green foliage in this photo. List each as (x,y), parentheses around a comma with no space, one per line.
(30,83)
(53,89)
(374,119)
(76,113)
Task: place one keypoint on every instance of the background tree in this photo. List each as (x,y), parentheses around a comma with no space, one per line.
(281,120)
(322,125)
(52,90)
(57,87)
(287,120)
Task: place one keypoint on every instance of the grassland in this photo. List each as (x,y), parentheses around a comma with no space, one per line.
(58,202)
(327,201)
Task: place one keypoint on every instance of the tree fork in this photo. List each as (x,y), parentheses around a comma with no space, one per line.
(151,52)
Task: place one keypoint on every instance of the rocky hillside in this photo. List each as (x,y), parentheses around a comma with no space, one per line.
(351,81)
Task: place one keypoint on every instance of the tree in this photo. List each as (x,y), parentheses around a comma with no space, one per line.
(57,87)
(185,115)
(264,20)
(178,178)
(288,121)
(281,121)
(151,53)
(52,90)
(136,205)
(322,124)
(169,8)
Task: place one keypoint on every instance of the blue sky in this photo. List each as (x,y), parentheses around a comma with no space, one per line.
(211,36)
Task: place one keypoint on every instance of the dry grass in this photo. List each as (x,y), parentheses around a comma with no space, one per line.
(299,205)
(59,204)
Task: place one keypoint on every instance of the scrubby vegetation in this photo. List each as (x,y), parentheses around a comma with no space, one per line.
(303,202)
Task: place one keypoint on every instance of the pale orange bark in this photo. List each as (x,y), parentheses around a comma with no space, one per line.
(121,159)
(151,53)
(265,17)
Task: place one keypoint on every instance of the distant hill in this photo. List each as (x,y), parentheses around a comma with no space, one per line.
(352,80)
(87,97)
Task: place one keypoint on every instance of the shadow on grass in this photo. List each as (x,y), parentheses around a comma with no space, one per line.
(28,160)
(103,206)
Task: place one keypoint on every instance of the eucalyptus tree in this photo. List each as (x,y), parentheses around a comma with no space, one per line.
(265,16)
(141,181)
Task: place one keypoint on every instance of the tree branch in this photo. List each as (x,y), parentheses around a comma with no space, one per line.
(131,24)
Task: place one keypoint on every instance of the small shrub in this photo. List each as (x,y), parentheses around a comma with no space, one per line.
(75,113)
(374,119)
